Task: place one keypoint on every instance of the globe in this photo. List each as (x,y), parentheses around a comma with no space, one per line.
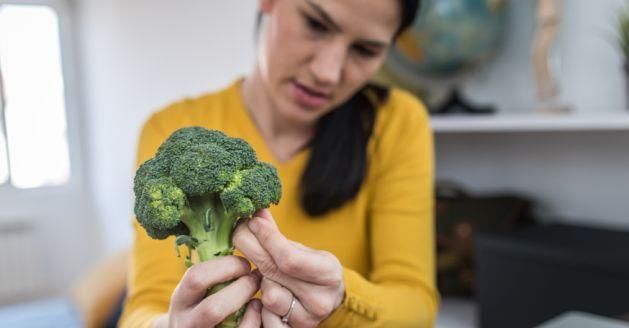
(448,39)
(450,36)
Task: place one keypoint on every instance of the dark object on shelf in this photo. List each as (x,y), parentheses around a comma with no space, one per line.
(533,275)
(457,104)
(459,217)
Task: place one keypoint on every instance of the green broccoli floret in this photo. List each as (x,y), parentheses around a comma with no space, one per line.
(197,187)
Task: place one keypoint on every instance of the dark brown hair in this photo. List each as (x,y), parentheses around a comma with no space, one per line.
(338,160)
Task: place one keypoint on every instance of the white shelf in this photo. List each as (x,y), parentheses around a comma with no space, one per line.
(530,122)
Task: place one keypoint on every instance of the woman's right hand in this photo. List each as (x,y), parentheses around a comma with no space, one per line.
(190,308)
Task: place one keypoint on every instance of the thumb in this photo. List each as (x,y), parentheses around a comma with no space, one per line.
(265,214)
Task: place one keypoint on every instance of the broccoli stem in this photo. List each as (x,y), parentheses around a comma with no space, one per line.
(212,226)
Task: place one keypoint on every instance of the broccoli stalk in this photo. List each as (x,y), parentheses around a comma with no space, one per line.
(197,187)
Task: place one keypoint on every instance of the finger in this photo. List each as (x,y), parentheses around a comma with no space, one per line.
(252,317)
(198,278)
(278,299)
(271,320)
(248,244)
(218,306)
(301,246)
(297,261)
(245,241)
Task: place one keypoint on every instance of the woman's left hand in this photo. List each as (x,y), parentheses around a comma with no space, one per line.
(310,280)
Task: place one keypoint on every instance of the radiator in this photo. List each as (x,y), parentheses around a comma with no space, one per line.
(22,271)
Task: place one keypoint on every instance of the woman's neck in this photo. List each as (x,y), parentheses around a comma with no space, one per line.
(284,137)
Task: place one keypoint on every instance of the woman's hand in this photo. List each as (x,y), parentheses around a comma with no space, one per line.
(190,308)
(310,280)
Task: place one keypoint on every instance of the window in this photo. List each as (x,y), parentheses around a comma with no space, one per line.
(33,134)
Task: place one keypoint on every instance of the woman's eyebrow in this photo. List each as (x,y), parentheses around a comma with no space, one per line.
(324,15)
(375,44)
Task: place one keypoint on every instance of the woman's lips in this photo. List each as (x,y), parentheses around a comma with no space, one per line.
(308,97)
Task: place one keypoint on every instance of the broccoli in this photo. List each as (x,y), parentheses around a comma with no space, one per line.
(197,187)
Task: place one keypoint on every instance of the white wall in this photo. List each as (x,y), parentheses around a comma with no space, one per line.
(137,56)
(63,239)
(576,176)
(586,58)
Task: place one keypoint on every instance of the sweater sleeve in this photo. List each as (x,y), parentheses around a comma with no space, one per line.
(154,270)
(400,289)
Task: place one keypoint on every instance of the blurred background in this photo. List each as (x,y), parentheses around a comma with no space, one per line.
(543,178)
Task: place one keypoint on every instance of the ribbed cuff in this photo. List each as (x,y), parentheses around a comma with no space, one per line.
(354,308)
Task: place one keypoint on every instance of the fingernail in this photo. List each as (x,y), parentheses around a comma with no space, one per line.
(254,225)
(255,305)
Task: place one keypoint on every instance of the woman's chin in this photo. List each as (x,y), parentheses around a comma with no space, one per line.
(302,115)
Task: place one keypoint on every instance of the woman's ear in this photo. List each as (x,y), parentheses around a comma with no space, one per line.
(267,5)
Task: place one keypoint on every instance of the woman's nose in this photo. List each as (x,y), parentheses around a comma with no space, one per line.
(327,64)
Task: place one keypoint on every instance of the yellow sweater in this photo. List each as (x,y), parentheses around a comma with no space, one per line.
(384,237)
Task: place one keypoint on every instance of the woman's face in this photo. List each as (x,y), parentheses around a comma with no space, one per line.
(315,54)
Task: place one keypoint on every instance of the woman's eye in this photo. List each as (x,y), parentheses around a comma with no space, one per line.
(364,51)
(315,25)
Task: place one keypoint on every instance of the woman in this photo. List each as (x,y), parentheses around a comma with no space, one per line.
(351,242)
